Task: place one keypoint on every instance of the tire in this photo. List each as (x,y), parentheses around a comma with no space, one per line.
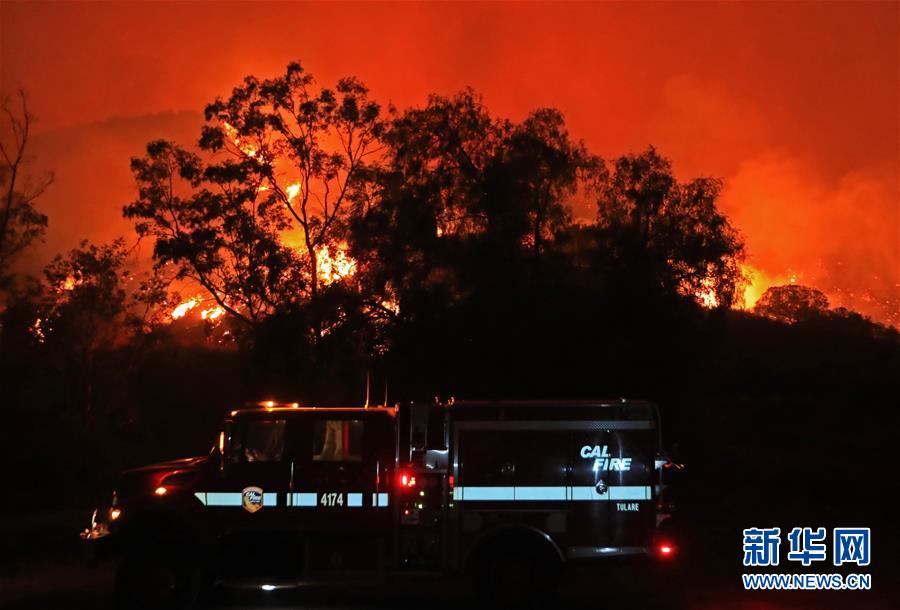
(516,580)
(157,579)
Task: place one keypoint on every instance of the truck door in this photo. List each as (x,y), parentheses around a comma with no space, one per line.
(258,466)
(589,491)
(340,494)
(248,502)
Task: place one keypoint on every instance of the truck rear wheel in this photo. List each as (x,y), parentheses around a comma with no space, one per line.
(516,580)
(157,579)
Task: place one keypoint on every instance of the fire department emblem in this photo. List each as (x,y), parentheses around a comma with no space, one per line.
(252,499)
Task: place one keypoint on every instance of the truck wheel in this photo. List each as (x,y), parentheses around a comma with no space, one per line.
(517,580)
(154,580)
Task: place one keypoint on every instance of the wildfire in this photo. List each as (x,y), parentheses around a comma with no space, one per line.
(760,282)
(391,305)
(706,296)
(331,268)
(37,330)
(292,190)
(247,149)
(181,310)
(212,313)
(70,283)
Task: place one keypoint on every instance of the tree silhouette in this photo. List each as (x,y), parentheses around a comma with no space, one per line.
(308,149)
(83,311)
(211,225)
(791,303)
(20,222)
(668,233)
(465,197)
(282,170)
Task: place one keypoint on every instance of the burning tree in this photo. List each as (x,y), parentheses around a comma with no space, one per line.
(309,149)
(791,303)
(260,220)
(20,222)
(209,226)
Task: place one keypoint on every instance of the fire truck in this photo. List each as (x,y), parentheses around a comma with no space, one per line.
(506,493)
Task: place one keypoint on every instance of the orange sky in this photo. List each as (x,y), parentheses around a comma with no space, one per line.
(795,105)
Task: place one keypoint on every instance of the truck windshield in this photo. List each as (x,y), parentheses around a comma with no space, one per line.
(337,440)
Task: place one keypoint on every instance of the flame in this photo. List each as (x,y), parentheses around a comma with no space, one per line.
(232,133)
(761,281)
(212,313)
(331,268)
(391,305)
(706,295)
(758,282)
(183,308)
(70,283)
(37,331)
(292,191)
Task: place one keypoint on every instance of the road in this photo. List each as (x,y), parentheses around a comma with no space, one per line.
(66,583)
(41,569)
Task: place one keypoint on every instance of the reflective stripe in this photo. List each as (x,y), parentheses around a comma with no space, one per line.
(586,493)
(540,493)
(304,499)
(555,493)
(219,498)
(487,493)
(630,492)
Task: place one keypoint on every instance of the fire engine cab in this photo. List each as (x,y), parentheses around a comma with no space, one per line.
(506,492)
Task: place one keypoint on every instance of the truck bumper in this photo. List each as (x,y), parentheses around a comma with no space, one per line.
(98,543)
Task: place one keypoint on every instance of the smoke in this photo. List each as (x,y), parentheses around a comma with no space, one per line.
(836,233)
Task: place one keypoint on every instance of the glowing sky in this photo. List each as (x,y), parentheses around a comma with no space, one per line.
(795,105)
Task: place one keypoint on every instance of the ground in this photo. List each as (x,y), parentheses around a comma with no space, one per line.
(42,569)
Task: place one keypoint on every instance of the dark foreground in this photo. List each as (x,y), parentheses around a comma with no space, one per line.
(42,569)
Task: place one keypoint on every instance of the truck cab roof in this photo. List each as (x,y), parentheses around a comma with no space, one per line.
(287,409)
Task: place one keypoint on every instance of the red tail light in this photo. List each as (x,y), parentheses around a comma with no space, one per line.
(665,549)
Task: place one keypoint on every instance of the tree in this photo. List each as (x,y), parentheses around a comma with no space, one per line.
(210,225)
(669,234)
(83,311)
(791,303)
(538,172)
(20,221)
(463,194)
(307,147)
(255,220)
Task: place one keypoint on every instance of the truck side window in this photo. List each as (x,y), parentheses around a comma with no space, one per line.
(263,441)
(337,440)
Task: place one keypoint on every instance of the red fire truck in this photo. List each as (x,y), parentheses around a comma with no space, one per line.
(508,493)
